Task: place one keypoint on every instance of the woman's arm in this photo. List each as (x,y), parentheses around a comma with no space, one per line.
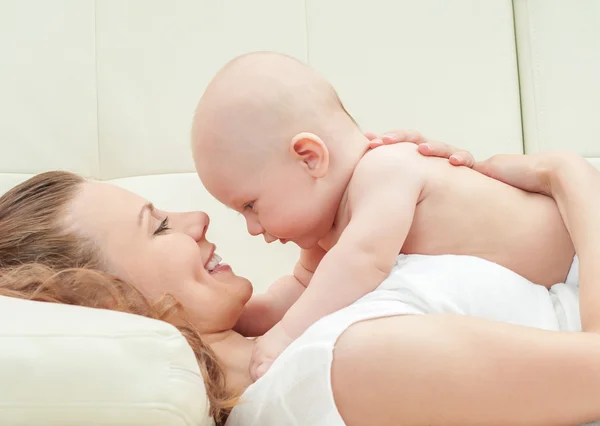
(570,179)
(575,185)
(457,370)
(577,193)
(446,370)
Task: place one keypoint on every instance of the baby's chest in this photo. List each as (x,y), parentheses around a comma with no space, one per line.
(330,240)
(333,236)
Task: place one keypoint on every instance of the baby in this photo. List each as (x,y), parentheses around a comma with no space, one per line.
(272,140)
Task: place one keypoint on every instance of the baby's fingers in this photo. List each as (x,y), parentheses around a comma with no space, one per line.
(254,370)
(262,369)
(259,368)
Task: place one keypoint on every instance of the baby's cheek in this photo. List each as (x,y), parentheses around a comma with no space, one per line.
(300,224)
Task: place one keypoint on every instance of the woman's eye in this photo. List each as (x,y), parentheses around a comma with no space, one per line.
(164,226)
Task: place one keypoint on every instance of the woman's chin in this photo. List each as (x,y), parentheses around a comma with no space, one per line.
(228,277)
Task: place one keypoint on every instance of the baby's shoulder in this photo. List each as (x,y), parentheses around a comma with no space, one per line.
(390,165)
(397,152)
(389,159)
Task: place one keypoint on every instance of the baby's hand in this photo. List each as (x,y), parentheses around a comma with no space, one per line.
(267,349)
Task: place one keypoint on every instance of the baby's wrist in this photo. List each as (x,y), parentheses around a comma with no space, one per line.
(288,329)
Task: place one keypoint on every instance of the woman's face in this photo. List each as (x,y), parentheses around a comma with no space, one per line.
(161,252)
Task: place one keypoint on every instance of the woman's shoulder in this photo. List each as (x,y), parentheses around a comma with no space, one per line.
(389,370)
(361,353)
(297,387)
(385,370)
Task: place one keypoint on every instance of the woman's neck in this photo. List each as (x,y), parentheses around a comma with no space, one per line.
(234,352)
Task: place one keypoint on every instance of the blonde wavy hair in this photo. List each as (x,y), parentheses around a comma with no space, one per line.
(41,260)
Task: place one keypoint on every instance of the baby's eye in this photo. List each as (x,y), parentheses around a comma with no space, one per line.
(250,206)
(164,226)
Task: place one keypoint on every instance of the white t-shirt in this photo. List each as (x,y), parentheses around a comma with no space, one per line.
(297,388)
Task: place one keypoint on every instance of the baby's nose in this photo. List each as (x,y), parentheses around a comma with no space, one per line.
(254,228)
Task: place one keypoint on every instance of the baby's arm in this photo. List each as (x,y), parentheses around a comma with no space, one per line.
(265,310)
(385,189)
(382,198)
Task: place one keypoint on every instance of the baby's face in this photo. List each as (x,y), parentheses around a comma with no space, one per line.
(278,200)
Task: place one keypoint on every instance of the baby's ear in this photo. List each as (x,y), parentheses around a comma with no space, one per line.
(311,151)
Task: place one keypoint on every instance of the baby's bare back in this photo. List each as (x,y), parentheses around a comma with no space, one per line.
(464,212)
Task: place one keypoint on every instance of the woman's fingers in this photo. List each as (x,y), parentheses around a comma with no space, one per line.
(528,172)
(371,135)
(456,156)
(430,148)
(522,171)
(375,142)
(403,135)
(395,136)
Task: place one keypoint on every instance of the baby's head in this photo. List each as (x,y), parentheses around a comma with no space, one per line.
(272,140)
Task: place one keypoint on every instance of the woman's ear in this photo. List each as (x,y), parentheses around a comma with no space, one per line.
(311,151)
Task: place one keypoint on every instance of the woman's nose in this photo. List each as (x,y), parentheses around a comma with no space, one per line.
(194,224)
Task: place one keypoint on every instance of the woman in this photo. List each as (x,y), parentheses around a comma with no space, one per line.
(410,369)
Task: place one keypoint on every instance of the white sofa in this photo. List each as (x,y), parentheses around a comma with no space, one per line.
(107,88)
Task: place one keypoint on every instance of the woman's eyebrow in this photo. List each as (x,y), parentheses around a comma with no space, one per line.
(146,208)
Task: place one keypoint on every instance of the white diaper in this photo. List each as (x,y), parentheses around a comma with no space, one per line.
(573,275)
(565,298)
(297,389)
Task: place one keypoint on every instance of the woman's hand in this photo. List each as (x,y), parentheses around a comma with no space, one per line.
(395,136)
(427,147)
(533,173)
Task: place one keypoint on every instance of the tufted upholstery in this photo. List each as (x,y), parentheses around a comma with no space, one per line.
(559,62)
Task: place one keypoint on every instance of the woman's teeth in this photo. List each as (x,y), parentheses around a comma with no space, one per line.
(213,262)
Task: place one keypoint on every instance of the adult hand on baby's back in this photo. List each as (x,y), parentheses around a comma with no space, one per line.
(530,172)
(395,136)
(427,147)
